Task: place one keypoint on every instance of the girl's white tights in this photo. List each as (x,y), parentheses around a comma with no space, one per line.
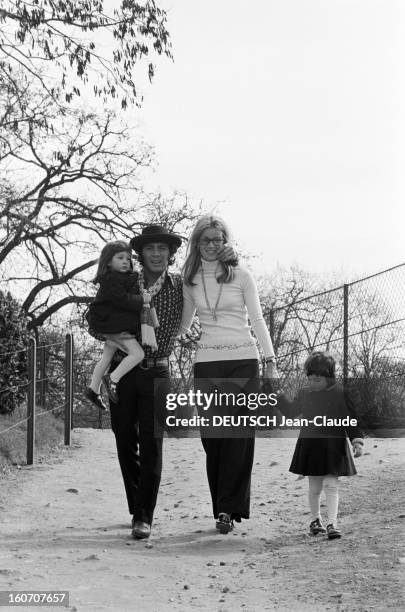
(329,484)
(134,356)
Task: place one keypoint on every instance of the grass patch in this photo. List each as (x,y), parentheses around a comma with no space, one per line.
(13,443)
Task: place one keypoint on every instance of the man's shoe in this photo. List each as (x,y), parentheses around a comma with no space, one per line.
(140,530)
(111,388)
(316,527)
(333,532)
(224,523)
(95,398)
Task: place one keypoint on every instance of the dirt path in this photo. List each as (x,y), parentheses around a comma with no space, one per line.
(54,539)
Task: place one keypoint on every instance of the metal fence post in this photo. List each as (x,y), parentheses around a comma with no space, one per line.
(72,381)
(32,374)
(42,375)
(271,332)
(68,387)
(271,325)
(345,332)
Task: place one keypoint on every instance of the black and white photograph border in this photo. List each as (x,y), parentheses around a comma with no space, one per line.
(202,191)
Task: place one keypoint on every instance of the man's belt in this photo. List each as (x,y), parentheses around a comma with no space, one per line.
(152,362)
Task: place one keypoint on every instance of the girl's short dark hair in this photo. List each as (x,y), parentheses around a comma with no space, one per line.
(107,253)
(172,252)
(321,364)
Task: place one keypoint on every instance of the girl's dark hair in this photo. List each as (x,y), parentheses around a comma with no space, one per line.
(107,253)
(172,251)
(320,364)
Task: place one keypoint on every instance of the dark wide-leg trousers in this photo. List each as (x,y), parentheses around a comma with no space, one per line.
(139,450)
(229,460)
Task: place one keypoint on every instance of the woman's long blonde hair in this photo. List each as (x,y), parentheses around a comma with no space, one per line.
(193,259)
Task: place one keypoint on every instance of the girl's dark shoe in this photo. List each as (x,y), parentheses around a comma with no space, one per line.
(333,532)
(224,523)
(95,398)
(111,388)
(316,527)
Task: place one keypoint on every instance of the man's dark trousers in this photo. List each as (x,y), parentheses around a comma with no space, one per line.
(139,451)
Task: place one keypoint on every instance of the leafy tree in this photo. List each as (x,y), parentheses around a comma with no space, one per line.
(69,38)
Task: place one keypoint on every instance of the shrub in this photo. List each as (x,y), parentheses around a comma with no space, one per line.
(13,443)
(13,353)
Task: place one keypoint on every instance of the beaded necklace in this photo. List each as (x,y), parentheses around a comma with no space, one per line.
(213,311)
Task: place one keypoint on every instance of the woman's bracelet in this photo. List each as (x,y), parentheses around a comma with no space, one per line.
(270,360)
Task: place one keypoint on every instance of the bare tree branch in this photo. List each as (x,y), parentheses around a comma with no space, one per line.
(46,314)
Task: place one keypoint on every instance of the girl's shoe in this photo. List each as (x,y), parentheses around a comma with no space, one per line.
(111,388)
(224,523)
(316,527)
(95,398)
(333,532)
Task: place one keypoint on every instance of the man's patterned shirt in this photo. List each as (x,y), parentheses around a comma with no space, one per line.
(169,307)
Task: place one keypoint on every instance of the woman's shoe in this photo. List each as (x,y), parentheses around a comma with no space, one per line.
(333,532)
(224,523)
(95,398)
(316,527)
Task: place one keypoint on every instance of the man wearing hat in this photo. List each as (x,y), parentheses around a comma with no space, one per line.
(132,418)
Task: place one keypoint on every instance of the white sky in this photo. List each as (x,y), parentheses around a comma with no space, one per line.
(291,114)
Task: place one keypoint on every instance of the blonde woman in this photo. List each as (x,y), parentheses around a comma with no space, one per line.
(224,295)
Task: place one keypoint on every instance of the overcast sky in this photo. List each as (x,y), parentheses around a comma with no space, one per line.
(290,114)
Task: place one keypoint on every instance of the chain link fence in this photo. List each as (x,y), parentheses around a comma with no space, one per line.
(362,325)
(48,384)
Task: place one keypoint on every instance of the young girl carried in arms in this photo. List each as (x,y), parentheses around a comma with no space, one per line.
(114,317)
(322,452)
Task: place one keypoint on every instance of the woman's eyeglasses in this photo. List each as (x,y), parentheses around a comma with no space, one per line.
(215,241)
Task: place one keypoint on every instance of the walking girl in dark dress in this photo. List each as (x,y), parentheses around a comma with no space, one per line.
(224,297)
(322,452)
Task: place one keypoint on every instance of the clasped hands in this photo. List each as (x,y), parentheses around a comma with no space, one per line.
(357,449)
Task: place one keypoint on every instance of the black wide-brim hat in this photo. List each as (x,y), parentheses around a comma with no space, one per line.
(155,233)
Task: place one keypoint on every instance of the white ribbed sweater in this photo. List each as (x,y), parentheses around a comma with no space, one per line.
(239,301)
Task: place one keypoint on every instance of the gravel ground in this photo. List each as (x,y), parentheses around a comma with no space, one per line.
(65,526)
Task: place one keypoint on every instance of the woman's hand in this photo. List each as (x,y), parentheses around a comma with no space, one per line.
(357,449)
(271,371)
(271,378)
(227,253)
(146,297)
